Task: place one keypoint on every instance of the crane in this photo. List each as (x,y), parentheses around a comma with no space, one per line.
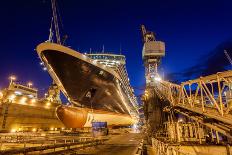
(153,51)
(55,21)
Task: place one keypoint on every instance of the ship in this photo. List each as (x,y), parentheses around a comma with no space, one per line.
(96,85)
(22,110)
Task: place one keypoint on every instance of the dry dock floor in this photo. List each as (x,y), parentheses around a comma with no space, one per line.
(123,144)
(117,144)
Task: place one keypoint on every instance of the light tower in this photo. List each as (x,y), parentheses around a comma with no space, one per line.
(152,53)
(12,79)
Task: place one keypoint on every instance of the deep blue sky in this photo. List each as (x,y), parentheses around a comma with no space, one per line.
(190,29)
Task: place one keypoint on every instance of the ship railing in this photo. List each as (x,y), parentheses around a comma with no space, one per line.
(140,149)
(126,85)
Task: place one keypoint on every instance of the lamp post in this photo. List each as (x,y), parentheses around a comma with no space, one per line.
(29,84)
(12,78)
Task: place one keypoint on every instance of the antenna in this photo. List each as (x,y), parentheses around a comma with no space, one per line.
(103,49)
(228,57)
(54,12)
(120,49)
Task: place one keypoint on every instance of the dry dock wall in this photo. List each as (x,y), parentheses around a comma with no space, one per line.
(17,116)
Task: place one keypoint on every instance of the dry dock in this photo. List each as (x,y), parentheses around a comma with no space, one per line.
(123,144)
(119,144)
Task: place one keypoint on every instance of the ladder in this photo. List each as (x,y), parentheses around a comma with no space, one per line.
(5,113)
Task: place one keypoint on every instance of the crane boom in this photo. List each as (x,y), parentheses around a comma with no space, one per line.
(228,57)
(147,36)
(143,31)
(55,21)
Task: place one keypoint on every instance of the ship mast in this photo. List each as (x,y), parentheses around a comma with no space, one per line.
(55,21)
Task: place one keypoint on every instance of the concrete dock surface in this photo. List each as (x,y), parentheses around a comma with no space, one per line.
(123,144)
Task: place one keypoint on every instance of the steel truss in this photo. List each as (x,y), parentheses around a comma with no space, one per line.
(202,99)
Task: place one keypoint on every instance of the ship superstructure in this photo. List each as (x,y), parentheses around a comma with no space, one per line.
(118,64)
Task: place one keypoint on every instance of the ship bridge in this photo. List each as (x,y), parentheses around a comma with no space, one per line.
(110,60)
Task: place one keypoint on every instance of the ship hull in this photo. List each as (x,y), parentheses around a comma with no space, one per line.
(75,117)
(85,83)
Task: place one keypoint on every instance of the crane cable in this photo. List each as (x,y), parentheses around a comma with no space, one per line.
(228,57)
(54,12)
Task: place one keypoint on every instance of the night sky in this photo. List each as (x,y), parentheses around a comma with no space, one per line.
(191,30)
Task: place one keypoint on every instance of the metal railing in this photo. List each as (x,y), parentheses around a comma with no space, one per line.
(52,145)
(162,148)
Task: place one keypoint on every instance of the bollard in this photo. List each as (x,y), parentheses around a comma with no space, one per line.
(65,143)
(54,145)
(1,143)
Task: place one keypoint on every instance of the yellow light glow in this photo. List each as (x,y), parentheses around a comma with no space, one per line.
(23,100)
(13,130)
(12,97)
(158,79)
(33,100)
(1,94)
(62,128)
(34,130)
(48,104)
(12,78)
(30,84)
(52,129)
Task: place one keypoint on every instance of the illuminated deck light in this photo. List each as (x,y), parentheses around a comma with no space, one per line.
(157,78)
(33,100)
(12,97)
(18,93)
(48,104)
(29,84)
(1,95)
(30,96)
(23,100)
(13,130)
(12,78)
